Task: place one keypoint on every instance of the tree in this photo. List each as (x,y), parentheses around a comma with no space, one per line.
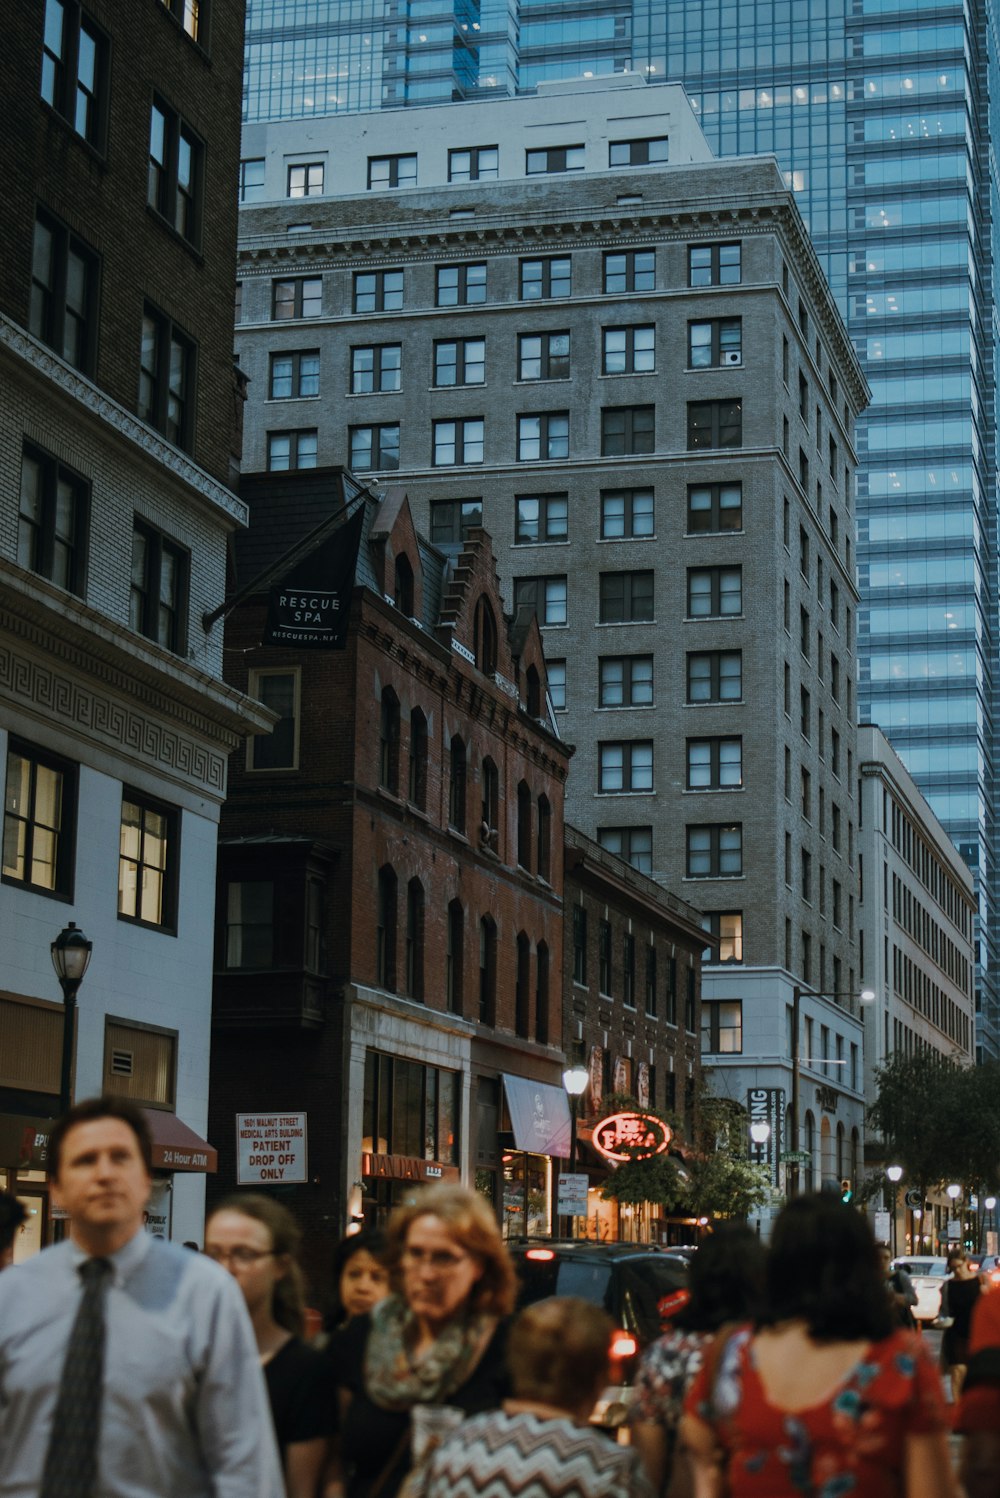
(919,1113)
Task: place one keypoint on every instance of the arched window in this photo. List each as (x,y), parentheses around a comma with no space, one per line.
(415,940)
(385,930)
(404,586)
(542,993)
(523,825)
(454,958)
(418,759)
(809,1145)
(487,971)
(534,686)
(388,741)
(490,805)
(484,645)
(543,856)
(522,987)
(456,790)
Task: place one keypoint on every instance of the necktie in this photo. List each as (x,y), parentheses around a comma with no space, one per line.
(71,1459)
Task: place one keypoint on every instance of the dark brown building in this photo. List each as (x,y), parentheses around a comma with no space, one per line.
(389,931)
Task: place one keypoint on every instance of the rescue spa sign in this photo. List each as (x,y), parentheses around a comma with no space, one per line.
(630,1136)
(309,609)
(271,1149)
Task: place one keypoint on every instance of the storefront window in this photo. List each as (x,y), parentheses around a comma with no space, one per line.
(410,1109)
(526,1195)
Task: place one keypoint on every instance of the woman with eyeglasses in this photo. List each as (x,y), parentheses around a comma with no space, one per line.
(257,1240)
(438,1341)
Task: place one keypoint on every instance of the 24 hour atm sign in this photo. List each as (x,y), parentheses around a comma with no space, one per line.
(271,1149)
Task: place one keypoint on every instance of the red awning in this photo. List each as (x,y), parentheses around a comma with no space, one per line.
(176,1147)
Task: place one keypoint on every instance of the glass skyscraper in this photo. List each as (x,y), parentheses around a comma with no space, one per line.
(879,113)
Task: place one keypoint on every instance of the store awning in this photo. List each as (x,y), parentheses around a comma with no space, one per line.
(176,1147)
(539,1116)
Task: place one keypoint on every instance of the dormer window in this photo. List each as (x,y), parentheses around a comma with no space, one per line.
(485,642)
(404,586)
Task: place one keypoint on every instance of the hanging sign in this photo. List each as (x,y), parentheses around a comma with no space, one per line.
(631,1136)
(309,610)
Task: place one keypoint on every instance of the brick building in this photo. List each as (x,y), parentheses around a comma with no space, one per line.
(389,911)
(117,406)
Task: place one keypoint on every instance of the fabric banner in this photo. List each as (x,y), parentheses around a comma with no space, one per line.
(309,610)
(539,1116)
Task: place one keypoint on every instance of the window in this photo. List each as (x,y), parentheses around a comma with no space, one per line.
(487,971)
(722,1027)
(454,958)
(189,14)
(417,777)
(385,929)
(250,923)
(460,361)
(541,517)
(391,171)
(630,270)
(546,595)
(252,179)
(292,450)
(279,749)
(626,597)
(625,681)
(629,350)
(626,765)
(522,986)
(295,375)
(414,952)
(543,356)
(627,513)
(484,639)
(727,925)
(803,398)
(579,944)
(147,862)
(176,158)
(456,785)
(461,285)
(715,851)
(75,69)
(374,369)
(714,764)
(633,844)
(543,437)
(627,430)
(716,344)
(305,180)
(713,264)
(648,152)
(651,993)
(52,520)
(474,164)
(805,712)
(714,424)
(453,519)
(556,674)
(490,802)
(550,277)
(166,378)
(39,820)
(805,864)
(604,975)
(713,508)
(524,819)
(458,441)
(544,868)
(158,588)
(715,676)
(63,307)
(714,592)
(302,296)
(555,159)
(628,970)
(374,447)
(388,741)
(378,291)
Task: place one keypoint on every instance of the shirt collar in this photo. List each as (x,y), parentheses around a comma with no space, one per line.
(124,1262)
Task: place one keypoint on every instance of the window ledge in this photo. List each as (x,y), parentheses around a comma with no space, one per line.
(714,618)
(707,878)
(619,540)
(134,920)
(66,897)
(717,790)
(349,395)
(195,251)
(98,155)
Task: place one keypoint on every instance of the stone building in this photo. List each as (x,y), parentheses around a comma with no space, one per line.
(116,458)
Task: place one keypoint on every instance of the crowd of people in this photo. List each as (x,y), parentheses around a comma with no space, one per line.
(130,1366)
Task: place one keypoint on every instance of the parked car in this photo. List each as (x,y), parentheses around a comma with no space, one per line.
(928,1276)
(640,1286)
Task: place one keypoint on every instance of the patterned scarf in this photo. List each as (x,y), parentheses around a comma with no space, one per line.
(394,1381)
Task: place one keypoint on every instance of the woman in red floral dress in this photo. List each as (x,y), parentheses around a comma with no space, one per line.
(826,1397)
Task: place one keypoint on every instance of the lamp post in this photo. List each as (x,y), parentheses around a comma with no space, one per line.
(70,957)
(990,1205)
(953,1192)
(575,1079)
(895,1174)
(760,1133)
(866,996)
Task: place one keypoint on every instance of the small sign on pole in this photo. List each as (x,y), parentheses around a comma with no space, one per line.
(271,1149)
(571,1196)
(883,1226)
(954,1229)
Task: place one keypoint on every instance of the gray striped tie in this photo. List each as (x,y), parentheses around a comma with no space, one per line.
(71,1460)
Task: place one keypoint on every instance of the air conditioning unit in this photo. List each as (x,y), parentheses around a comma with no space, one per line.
(732,357)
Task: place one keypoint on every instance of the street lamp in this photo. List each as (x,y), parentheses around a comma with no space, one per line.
(575,1079)
(760,1133)
(70,957)
(990,1205)
(867,996)
(895,1174)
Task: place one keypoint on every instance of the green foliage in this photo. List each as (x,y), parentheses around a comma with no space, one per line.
(940,1121)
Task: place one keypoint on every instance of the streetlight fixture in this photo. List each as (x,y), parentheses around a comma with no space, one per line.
(575,1079)
(895,1174)
(71,952)
(866,996)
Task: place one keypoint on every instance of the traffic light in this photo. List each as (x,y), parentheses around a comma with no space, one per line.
(846,1191)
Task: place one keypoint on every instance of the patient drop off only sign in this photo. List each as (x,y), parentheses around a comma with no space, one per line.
(271,1149)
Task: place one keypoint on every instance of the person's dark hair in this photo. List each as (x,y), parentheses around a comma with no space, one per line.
(823,1268)
(727,1280)
(558,1351)
(12,1214)
(369,1240)
(956,1256)
(288,1298)
(90,1110)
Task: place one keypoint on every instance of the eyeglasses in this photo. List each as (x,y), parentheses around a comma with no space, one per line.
(434,1258)
(239,1255)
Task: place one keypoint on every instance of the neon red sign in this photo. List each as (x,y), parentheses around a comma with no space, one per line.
(631,1136)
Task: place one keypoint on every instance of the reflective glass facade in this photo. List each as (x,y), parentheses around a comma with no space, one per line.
(878,111)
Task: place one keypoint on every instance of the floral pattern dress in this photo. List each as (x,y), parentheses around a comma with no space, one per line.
(666,1370)
(852,1444)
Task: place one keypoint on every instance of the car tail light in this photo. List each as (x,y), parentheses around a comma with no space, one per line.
(669,1305)
(545,1254)
(623,1345)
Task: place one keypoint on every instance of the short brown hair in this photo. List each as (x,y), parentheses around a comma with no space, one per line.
(89,1111)
(469,1220)
(288,1298)
(558,1351)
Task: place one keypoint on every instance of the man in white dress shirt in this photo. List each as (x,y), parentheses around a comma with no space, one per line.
(181,1407)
